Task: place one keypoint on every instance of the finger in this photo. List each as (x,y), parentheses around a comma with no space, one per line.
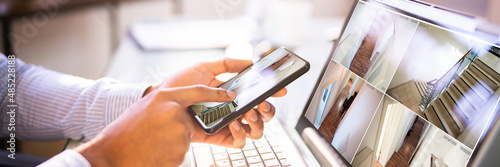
(223,137)
(266,110)
(188,122)
(255,128)
(215,82)
(280,93)
(190,95)
(238,134)
(227,65)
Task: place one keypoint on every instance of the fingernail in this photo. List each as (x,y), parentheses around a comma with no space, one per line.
(236,126)
(231,94)
(267,108)
(254,117)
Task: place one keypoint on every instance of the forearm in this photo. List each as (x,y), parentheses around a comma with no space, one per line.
(52,105)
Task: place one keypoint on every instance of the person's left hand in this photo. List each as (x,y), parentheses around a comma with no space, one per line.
(234,134)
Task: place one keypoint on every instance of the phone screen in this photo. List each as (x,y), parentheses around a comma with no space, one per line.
(266,75)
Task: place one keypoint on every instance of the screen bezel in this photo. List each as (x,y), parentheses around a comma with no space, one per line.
(239,112)
(486,37)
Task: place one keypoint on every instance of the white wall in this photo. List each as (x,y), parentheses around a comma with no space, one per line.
(371,135)
(392,55)
(395,127)
(353,126)
(334,71)
(431,53)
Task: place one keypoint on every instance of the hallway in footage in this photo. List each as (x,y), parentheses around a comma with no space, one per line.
(366,55)
(408,147)
(332,119)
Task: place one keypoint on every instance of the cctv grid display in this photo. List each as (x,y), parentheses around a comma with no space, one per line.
(400,91)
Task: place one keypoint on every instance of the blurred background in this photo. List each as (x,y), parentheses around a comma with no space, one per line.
(81,37)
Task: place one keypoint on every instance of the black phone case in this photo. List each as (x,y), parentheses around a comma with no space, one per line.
(235,115)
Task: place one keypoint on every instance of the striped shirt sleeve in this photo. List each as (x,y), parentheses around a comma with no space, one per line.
(52,106)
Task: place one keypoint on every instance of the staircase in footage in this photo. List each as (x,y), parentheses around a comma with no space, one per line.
(463,99)
(216,113)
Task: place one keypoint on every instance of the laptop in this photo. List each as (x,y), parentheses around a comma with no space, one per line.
(407,84)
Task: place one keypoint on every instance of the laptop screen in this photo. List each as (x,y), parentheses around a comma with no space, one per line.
(403,91)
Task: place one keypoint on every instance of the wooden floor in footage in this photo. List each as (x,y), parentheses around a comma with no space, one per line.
(361,61)
(401,157)
(332,119)
(329,125)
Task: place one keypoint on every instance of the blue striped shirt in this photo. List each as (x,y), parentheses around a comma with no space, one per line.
(53,106)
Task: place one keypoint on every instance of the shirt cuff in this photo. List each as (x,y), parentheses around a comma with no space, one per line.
(120,98)
(116,98)
(68,157)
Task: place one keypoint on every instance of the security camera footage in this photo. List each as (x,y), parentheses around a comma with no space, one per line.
(249,85)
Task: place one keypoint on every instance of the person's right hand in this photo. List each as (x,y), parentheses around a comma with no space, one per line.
(205,73)
(155,131)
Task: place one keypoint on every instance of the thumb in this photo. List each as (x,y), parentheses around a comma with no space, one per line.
(190,95)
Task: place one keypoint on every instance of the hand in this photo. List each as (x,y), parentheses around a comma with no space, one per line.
(155,131)
(205,73)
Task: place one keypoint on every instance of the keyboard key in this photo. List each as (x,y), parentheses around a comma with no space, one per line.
(236,156)
(203,156)
(257,165)
(280,156)
(273,143)
(273,162)
(239,163)
(233,150)
(223,163)
(248,146)
(220,156)
(254,159)
(250,153)
(263,140)
(248,140)
(217,150)
(267,156)
(277,149)
(284,162)
(263,150)
(260,144)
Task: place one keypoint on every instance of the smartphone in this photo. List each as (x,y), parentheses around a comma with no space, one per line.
(252,86)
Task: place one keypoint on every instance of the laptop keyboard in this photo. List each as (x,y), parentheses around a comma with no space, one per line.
(256,153)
